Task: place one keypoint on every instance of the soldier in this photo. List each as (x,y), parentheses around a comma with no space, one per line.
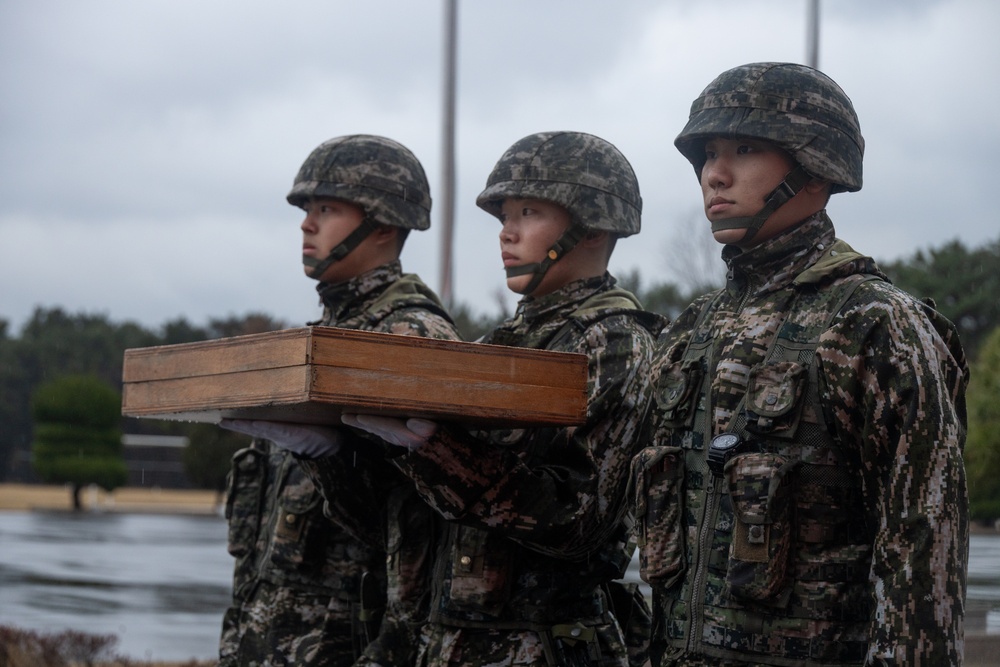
(537,526)
(306,592)
(803,498)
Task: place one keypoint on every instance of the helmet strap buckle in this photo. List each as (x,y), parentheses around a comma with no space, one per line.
(563,245)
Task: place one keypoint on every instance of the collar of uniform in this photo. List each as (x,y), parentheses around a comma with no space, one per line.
(340,297)
(565,299)
(775,263)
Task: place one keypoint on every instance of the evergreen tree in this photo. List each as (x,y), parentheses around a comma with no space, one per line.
(982,449)
(963,284)
(664,298)
(77,439)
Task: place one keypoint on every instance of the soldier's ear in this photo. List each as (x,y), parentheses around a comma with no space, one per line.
(820,188)
(385,233)
(816,185)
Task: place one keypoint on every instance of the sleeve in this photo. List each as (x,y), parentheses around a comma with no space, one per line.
(396,644)
(412,544)
(229,641)
(896,383)
(559,491)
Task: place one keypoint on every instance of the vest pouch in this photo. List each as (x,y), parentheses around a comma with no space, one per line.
(676,392)
(774,398)
(656,492)
(408,547)
(480,570)
(299,529)
(760,486)
(244,487)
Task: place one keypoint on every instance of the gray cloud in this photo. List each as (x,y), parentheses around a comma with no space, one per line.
(147,147)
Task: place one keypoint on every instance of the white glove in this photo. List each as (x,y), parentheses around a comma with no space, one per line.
(411,434)
(308,440)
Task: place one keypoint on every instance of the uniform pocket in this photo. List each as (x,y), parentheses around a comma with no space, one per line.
(677,391)
(480,574)
(774,398)
(244,487)
(760,488)
(300,528)
(656,491)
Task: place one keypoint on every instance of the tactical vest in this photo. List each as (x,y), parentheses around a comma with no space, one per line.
(406,292)
(768,561)
(490,581)
(284,538)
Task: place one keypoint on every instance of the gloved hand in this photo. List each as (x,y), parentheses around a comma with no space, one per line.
(308,440)
(411,434)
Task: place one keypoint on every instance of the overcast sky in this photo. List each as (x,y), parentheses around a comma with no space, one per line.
(146,147)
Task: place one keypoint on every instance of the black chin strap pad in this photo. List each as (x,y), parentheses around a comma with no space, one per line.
(351,242)
(563,245)
(793,182)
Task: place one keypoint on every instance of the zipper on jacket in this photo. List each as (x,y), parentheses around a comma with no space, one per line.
(697,603)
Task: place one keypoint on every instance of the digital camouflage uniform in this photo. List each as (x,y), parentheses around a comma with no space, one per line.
(836,532)
(307,591)
(536,515)
(363,490)
(370,500)
(536,518)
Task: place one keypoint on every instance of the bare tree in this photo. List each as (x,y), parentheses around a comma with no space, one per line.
(692,256)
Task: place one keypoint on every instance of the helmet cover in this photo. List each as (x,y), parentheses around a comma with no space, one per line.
(375,173)
(796,107)
(584,174)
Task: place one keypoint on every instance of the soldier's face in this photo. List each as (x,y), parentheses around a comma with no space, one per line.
(530,227)
(326,225)
(737,176)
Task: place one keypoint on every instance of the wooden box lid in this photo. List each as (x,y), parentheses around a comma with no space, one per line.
(312,374)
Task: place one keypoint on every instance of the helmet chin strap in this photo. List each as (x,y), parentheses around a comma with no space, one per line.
(563,245)
(793,182)
(341,251)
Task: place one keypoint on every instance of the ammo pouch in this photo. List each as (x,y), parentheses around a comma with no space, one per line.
(571,645)
(297,535)
(774,398)
(676,392)
(245,485)
(656,486)
(760,487)
(408,560)
(480,575)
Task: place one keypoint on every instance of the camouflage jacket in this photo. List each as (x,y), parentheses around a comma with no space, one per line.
(291,561)
(377,506)
(536,517)
(838,532)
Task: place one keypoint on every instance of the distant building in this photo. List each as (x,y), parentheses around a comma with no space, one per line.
(152,460)
(155,460)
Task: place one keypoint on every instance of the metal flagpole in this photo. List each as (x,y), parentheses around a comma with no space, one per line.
(812,34)
(447,198)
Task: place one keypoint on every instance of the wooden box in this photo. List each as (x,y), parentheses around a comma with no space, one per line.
(312,374)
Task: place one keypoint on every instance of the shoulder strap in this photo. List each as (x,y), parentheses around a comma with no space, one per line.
(406,292)
(604,304)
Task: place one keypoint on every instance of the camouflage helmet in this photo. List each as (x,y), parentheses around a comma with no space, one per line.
(793,106)
(381,176)
(584,174)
